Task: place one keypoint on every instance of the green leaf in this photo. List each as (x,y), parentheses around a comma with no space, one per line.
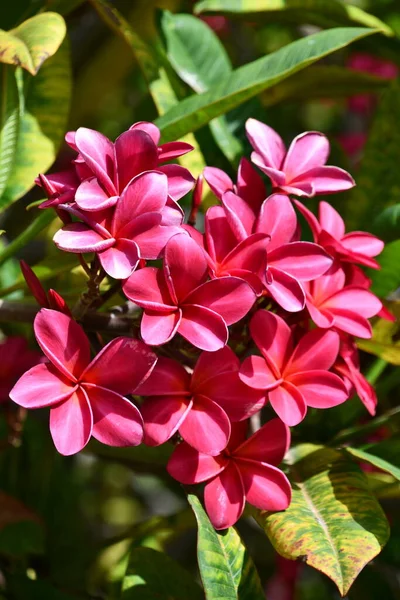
(199,58)
(387,224)
(41,222)
(32,42)
(152,575)
(333,523)
(324,13)
(375,461)
(378,181)
(152,63)
(384,342)
(253,78)
(42,124)
(11,104)
(226,569)
(387,278)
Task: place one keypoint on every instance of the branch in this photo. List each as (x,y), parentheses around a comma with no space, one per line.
(112,322)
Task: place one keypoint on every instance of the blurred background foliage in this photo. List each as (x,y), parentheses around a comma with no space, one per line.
(66,524)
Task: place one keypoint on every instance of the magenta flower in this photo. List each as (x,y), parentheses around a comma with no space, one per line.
(200,405)
(178,298)
(249,186)
(289,263)
(294,376)
(246,470)
(135,231)
(347,365)
(15,359)
(332,303)
(228,254)
(329,232)
(85,397)
(302,169)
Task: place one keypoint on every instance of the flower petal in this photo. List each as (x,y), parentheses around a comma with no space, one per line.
(168,378)
(320,389)
(180,181)
(145,193)
(288,403)
(150,235)
(286,290)
(277,218)
(151,129)
(203,328)
(326,180)
(239,214)
(210,365)
(63,341)
(310,218)
(224,498)
(172,150)
(273,337)
(158,328)
(276,176)
(116,421)
(91,196)
(98,153)
(121,260)
(147,288)
(78,237)
(219,236)
(250,185)
(266,142)
(321,317)
(249,255)
(230,297)
(206,427)
(362,243)
(41,386)
(121,366)
(303,260)
(256,373)
(218,181)
(237,399)
(352,322)
(185,265)
(268,444)
(266,487)
(308,150)
(361,301)
(331,221)
(135,152)
(71,423)
(162,416)
(189,466)
(317,349)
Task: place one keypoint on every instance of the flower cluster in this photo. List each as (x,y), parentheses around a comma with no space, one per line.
(233,318)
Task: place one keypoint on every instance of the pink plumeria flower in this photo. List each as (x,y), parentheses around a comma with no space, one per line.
(15,359)
(51,299)
(178,298)
(294,376)
(246,470)
(249,185)
(114,165)
(135,230)
(329,232)
(289,262)
(85,397)
(332,303)
(347,365)
(200,405)
(228,254)
(302,169)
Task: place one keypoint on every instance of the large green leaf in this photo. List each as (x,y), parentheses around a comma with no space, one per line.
(387,224)
(42,124)
(378,181)
(11,105)
(200,59)
(333,523)
(152,575)
(32,42)
(153,64)
(226,569)
(253,78)
(375,461)
(324,13)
